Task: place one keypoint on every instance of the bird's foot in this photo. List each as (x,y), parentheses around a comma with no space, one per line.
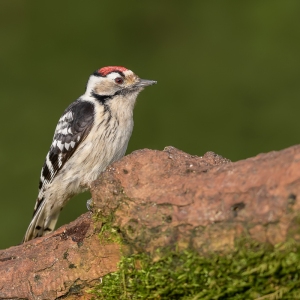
(89,205)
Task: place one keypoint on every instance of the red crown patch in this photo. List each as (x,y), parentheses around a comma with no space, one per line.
(106,70)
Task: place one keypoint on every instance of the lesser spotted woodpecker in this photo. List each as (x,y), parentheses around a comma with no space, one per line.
(92,133)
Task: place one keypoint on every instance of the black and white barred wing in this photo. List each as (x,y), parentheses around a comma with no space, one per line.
(72,128)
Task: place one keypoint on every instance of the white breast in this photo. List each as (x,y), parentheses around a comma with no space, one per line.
(106,143)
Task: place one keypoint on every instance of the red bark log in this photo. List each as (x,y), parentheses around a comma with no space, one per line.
(158,199)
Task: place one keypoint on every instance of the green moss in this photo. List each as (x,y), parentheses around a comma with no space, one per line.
(108,233)
(253,271)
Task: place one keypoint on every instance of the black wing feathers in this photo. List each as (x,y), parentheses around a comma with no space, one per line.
(72,128)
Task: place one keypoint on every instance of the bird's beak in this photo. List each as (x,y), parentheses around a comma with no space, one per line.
(145,82)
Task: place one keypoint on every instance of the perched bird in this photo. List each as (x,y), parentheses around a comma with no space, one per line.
(92,133)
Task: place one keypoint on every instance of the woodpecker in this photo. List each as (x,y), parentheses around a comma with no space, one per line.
(93,132)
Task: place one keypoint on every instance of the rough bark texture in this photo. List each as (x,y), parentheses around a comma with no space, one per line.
(157,199)
(166,197)
(66,262)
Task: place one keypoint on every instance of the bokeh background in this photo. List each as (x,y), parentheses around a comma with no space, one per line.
(228,81)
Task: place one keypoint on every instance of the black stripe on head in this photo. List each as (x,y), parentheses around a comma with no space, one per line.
(104,98)
(101,98)
(97,74)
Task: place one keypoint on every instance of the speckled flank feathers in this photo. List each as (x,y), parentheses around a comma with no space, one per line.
(93,132)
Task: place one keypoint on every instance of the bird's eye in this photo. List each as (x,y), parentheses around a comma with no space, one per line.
(119,80)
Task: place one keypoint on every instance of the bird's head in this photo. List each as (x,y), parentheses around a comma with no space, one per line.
(115,80)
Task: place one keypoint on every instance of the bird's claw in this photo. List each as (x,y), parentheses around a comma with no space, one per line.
(89,205)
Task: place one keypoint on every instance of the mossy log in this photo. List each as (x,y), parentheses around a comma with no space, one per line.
(172,207)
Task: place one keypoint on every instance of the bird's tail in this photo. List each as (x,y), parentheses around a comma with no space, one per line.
(42,223)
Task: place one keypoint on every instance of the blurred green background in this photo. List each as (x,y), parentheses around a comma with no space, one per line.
(228,81)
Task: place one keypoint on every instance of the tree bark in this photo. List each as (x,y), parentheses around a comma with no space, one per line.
(154,199)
